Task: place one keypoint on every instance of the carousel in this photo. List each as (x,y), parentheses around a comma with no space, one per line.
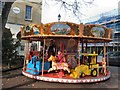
(59,52)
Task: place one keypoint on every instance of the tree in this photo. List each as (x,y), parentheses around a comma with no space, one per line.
(72,6)
(9,52)
(8,45)
(5,12)
(8,49)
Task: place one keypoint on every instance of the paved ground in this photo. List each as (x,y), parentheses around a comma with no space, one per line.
(14,79)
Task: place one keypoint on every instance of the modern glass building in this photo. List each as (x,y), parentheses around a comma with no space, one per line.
(110,19)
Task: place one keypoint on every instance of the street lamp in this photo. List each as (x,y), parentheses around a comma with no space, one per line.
(59,17)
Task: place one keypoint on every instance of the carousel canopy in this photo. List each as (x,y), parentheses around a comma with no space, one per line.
(56,30)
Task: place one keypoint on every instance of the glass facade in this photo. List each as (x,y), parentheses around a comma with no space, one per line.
(118,26)
(111,20)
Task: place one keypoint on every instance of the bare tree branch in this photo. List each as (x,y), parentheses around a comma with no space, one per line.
(74,7)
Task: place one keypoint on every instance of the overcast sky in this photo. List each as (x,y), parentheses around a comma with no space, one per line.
(50,12)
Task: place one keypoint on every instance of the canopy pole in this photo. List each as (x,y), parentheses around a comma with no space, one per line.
(86,47)
(43,57)
(25,52)
(104,49)
(107,54)
(95,50)
(79,49)
(90,48)
(104,59)
(82,48)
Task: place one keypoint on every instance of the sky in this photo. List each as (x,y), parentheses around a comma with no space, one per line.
(50,12)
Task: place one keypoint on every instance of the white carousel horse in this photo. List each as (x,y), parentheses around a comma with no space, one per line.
(58,65)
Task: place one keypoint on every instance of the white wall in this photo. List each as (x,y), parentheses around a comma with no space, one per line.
(15,29)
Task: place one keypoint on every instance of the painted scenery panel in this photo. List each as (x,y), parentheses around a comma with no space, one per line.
(98,31)
(60,29)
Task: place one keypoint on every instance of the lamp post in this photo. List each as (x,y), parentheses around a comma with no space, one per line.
(59,17)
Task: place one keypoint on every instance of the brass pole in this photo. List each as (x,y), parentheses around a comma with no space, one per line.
(43,57)
(107,55)
(86,47)
(95,48)
(79,51)
(25,52)
(82,48)
(104,49)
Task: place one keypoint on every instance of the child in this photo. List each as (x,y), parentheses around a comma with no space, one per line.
(60,57)
(104,65)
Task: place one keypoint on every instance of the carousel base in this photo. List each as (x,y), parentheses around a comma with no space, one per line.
(54,77)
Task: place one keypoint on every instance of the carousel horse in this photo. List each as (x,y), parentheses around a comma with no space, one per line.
(57,65)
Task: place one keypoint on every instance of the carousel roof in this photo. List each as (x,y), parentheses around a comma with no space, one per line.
(65,30)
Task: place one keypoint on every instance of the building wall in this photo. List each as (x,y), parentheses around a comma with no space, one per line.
(15,21)
(20,18)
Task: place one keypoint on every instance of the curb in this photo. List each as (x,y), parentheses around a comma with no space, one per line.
(5,70)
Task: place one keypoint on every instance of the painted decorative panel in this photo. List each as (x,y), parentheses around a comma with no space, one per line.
(60,29)
(27,28)
(98,31)
(36,30)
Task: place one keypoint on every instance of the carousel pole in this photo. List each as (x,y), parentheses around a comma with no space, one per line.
(104,59)
(95,50)
(82,49)
(90,49)
(79,51)
(82,46)
(107,54)
(86,47)
(104,49)
(43,57)
(25,56)
(25,53)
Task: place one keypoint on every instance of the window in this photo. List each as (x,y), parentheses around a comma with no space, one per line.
(33,47)
(28,14)
(22,47)
(118,26)
(117,35)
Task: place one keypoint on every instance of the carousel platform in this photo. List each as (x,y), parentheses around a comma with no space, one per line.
(54,77)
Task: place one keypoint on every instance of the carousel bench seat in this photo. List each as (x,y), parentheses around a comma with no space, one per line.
(36,67)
